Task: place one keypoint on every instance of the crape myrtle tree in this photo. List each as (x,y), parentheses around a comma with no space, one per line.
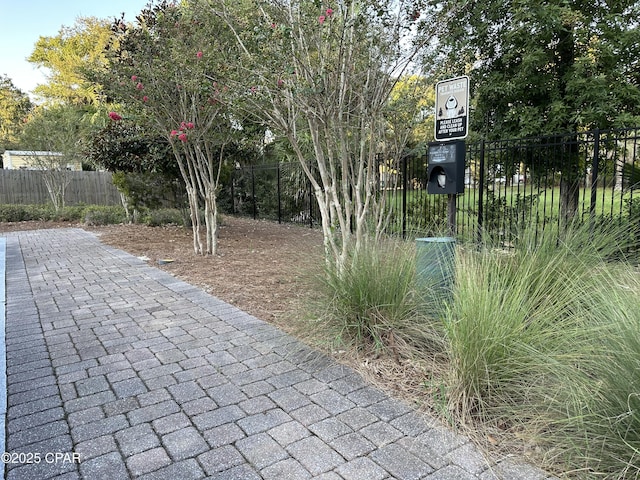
(544,68)
(168,71)
(320,73)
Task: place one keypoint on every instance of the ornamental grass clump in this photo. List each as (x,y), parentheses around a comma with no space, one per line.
(609,413)
(530,334)
(373,302)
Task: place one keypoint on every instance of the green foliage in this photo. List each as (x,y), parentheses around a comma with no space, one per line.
(631,176)
(170,72)
(504,220)
(375,302)
(124,146)
(166,216)
(145,170)
(14,109)
(610,415)
(428,217)
(323,76)
(633,206)
(21,213)
(90,215)
(24,213)
(67,56)
(551,67)
(149,190)
(60,128)
(99,215)
(530,333)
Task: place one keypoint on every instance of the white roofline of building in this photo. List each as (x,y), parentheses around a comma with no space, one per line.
(33,152)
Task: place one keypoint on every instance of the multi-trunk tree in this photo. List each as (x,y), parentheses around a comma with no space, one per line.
(169,73)
(321,74)
(59,131)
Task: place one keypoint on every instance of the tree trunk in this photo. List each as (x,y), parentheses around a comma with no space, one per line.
(125,205)
(211,220)
(569,197)
(192,194)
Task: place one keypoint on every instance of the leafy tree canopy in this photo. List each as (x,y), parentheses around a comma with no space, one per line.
(14,109)
(67,56)
(544,66)
(126,147)
(58,128)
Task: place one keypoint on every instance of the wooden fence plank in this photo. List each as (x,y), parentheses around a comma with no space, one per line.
(27,187)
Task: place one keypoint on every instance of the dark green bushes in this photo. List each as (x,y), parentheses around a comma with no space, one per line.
(88,215)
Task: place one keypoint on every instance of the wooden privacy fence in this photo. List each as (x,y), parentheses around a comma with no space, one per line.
(27,187)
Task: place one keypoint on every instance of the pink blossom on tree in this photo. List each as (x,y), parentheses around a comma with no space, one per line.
(329,12)
(199,54)
(114,116)
(321,19)
(139,86)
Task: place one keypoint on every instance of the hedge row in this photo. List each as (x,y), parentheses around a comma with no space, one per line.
(88,214)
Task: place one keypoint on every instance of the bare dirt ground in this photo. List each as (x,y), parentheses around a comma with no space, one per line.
(261,267)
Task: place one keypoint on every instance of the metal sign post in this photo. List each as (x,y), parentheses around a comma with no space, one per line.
(445,175)
(452,123)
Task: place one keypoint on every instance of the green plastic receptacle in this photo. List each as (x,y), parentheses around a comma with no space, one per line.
(435,259)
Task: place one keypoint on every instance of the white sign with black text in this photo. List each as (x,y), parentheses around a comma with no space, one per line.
(452,109)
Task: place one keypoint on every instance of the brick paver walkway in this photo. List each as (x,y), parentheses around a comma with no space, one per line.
(117,370)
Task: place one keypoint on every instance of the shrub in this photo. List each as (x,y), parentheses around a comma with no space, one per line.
(166,216)
(23,213)
(104,215)
(90,215)
(69,214)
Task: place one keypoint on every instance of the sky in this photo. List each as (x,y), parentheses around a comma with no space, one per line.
(22,22)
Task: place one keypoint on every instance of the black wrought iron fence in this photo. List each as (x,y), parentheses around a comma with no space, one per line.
(509,184)
(278,192)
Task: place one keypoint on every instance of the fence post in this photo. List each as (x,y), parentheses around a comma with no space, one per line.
(595,166)
(404,196)
(481,193)
(279,199)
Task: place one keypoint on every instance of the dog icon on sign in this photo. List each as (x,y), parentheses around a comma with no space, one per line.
(451,107)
